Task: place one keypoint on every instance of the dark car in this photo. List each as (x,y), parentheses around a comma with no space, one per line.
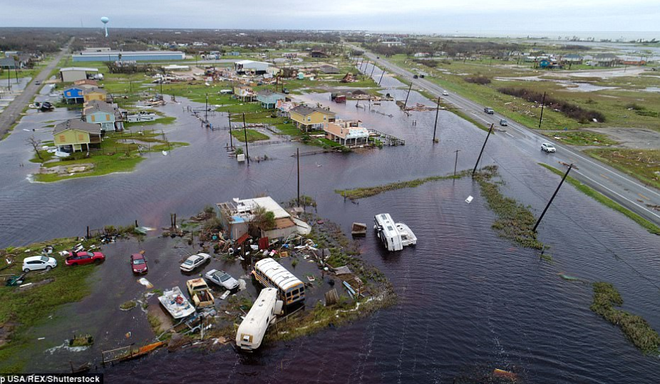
(138,263)
(81,258)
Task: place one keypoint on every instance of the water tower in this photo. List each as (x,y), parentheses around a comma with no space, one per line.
(105,20)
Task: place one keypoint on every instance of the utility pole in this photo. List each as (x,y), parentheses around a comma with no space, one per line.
(206,111)
(247,150)
(456,161)
(482,149)
(231,141)
(553,197)
(298,161)
(408,94)
(542,105)
(381,77)
(437,111)
(373,69)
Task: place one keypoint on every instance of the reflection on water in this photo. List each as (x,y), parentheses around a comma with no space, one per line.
(469,301)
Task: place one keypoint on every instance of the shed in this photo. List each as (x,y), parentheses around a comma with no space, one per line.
(71,74)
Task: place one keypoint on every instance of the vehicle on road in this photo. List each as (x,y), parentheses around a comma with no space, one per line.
(222,279)
(138,263)
(504,123)
(37,263)
(548,147)
(200,293)
(445,93)
(82,258)
(37,82)
(489,110)
(195,261)
(415,76)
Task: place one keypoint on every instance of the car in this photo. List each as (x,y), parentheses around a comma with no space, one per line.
(504,123)
(38,82)
(548,148)
(194,261)
(222,279)
(82,258)
(445,93)
(37,263)
(415,76)
(489,110)
(138,263)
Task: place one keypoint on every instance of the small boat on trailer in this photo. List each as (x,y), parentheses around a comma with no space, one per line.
(176,304)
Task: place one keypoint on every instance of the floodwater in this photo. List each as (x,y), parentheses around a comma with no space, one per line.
(469,301)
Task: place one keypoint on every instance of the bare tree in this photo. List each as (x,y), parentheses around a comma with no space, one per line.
(35,143)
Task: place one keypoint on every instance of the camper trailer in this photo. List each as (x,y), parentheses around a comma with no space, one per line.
(251,332)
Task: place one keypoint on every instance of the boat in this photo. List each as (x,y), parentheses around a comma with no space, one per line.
(128,352)
(359,229)
(176,304)
(394,236)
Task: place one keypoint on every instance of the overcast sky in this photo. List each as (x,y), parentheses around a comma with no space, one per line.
(426,16)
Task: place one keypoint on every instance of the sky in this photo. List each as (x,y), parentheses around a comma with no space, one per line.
(422,16)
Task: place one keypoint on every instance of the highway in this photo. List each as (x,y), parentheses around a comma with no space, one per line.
(12,113)
(619,187)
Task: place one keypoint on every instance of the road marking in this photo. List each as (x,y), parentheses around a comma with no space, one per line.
(509,134)
(605,176)
(643,197)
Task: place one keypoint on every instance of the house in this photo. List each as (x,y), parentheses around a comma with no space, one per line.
(73,95)
(283,107)
(248,66)
(107,116)
(71,74)
(244,93)
(605,60)
(318,54)
(348,133)
(8,63)
(306,118)
(268,98)
(328,69)
(236,215)
(75,135)
(94,93)
(572,59)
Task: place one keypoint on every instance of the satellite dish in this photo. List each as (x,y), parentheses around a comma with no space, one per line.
(105,20)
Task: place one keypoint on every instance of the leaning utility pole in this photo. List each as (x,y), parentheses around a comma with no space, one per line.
(542,105)
(456,161)
(298,161)
(206,111)
(408,94)
(373,69)
(552,198)
(482,149)
(247,150)
(381,77)
(437,111)
(231,141)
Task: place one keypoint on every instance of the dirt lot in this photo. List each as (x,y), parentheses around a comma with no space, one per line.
(634,138)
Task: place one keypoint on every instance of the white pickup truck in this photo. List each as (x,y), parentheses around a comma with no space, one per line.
(200,293)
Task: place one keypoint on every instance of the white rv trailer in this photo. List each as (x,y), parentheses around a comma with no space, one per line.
(251,332)
(394,236)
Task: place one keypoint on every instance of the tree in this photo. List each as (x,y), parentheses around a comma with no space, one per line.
(35,143)
(262,219)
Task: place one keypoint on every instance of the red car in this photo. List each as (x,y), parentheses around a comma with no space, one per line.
(138,263)
(81,258)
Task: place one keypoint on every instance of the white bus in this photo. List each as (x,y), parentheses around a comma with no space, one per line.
(387,232)
(271,274)
(251,332)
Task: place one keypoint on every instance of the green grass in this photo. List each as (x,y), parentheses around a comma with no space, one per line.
(161,120)
(636,329)
(252,135)
(31,308)
(585,138)
(638,163)
(606,201)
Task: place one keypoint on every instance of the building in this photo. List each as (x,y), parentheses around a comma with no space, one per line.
(572,59)
(244,93)
(107,116)
(252,67)
(92,55)
(328,70)
(349,133)
(269,99)
(71,74)
(283,107)
(86,82)
(306,118)
(73,95)
(94,93)
(75,135)
(318,54)
(236,215)
(8,63)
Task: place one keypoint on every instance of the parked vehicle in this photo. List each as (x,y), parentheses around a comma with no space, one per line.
(271,274)
(138,263)
(194,261)
(549,148)
(200,293)
(222,279)
(504,123)
(81,258)
(37,263)
(38,82)
(489,110)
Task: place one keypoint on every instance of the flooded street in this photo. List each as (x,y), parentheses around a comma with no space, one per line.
(469,301)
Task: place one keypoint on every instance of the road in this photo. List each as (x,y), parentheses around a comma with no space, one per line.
(12,113)
(619,187)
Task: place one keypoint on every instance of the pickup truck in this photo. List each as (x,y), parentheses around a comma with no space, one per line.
(200,293)
(489,110)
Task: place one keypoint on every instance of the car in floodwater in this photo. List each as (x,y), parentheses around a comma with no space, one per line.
(38,263)
(548,147)
(222,279)
(82,258)
(194,261)
(139,263)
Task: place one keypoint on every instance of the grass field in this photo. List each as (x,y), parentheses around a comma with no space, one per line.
(252,135)
(642,164)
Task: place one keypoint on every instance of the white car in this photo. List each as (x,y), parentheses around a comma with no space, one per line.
(548,148)
(445,93)
(194,261)
(37,263)
(222,279)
